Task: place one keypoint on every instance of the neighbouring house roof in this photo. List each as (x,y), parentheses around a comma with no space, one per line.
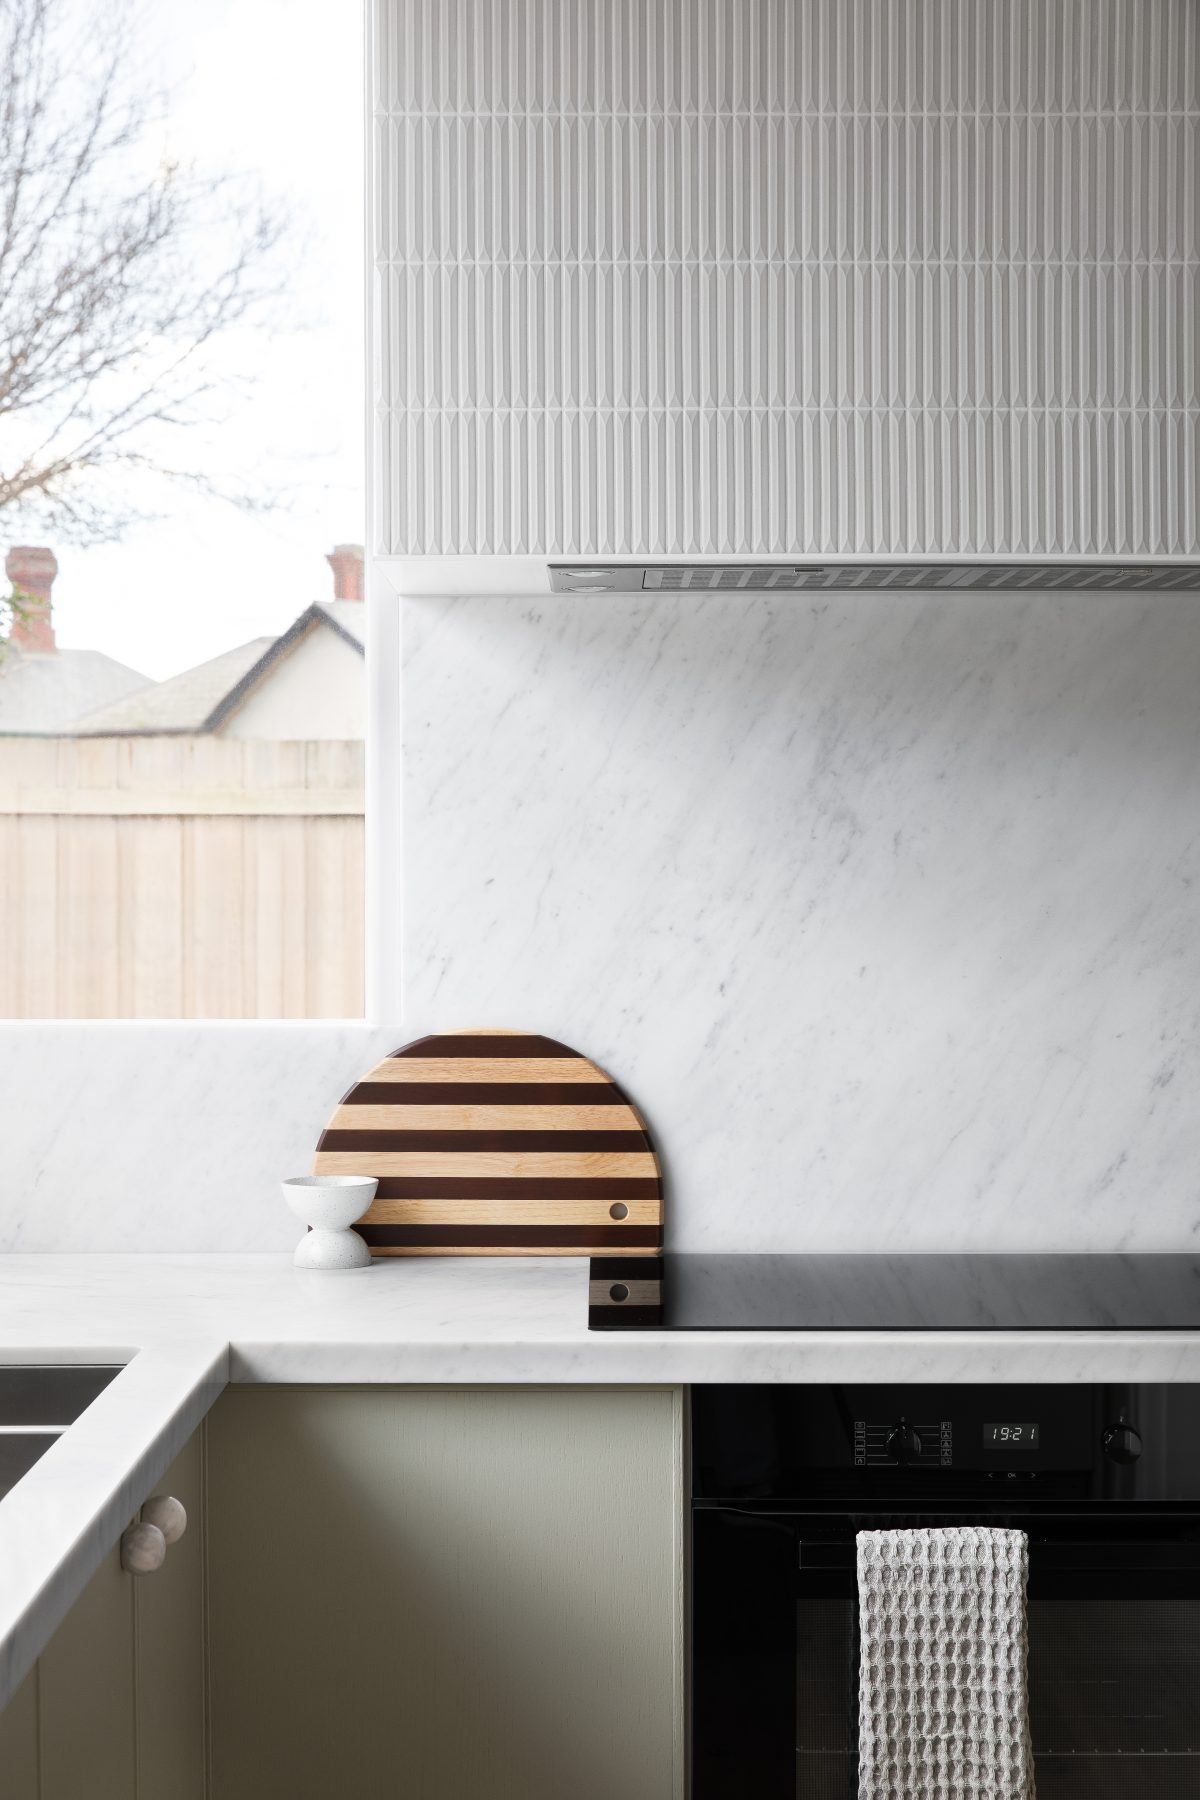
(184,703)
(46,695)
(201,699)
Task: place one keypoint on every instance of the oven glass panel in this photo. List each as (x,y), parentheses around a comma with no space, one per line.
(1114,1690)
(826,1689)
(1114,1693)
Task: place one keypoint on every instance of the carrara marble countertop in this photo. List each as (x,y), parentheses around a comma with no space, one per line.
(185,1326)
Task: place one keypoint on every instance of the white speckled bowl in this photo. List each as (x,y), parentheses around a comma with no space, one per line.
(330,1204)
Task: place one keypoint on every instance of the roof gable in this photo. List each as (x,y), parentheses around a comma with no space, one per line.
(310,619)
(200,699)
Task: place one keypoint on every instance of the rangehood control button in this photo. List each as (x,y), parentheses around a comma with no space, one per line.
(903,1444)
(1122,1444)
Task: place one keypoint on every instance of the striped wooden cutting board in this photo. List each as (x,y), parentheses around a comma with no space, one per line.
(497,1143)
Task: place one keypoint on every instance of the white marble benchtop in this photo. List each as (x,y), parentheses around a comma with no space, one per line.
(186,1325)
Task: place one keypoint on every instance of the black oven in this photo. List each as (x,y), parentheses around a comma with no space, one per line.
(1104,1480)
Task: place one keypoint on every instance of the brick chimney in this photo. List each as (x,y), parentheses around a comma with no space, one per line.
(31,570)
(346,561)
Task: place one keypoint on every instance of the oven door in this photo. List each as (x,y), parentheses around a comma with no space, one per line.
(1114,1656)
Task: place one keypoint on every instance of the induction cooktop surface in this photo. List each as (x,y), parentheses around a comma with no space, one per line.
(683,1292)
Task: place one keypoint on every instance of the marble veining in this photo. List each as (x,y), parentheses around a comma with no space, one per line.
(160,1137)
(885,908)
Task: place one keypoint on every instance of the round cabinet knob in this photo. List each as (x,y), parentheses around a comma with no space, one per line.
(143,1550)
(1122,1444)
(903,1444)
(168,1514)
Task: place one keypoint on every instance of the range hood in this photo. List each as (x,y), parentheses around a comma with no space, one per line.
(433,577)
(826,576)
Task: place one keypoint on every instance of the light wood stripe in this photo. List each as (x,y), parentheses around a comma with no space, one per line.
(641,1293)
(485,1118)
(491,1068)
(515,1250)
(588,1164)
(514,1212)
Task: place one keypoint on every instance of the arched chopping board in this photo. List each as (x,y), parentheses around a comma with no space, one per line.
(497,1143)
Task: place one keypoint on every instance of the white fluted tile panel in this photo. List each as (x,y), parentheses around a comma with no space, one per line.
(787,276)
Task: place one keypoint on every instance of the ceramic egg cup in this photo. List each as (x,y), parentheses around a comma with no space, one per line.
(330,1205)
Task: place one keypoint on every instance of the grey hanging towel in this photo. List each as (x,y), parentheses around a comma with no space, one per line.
(943,1708)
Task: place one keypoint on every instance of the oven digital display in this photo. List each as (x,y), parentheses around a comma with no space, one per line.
(1011,1437)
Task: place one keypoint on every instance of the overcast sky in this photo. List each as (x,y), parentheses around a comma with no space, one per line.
(273,88)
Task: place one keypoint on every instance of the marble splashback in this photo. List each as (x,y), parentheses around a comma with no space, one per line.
(886,908)
(126,1137)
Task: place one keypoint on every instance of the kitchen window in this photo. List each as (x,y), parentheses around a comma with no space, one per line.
(183,678)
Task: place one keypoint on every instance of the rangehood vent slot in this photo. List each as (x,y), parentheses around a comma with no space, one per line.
(770,578)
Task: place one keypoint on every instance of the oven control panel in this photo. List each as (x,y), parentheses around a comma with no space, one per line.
(1051,1441)
(904,1443)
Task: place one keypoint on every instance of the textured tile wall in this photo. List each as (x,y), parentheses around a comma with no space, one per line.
(787,276)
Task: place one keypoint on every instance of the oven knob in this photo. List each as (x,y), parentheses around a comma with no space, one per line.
(1122,1444)
(903,1444)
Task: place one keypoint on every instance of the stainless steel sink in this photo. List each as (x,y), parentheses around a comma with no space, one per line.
(38,1401)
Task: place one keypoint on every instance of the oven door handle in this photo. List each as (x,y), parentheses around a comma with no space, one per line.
(1059,1544)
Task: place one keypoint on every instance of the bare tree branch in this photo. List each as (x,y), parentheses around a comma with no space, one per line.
(119,273)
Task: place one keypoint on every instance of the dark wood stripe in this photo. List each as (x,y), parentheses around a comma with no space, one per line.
(625,1318)
(394,1236)
(617,1268)
(485,1093)
(508,1044)
(484,1141)
(519,1187)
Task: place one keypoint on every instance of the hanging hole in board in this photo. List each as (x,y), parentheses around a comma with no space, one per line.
(618,1210)
(618,1291)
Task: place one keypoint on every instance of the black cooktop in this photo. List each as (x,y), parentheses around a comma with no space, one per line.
(894,1293)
